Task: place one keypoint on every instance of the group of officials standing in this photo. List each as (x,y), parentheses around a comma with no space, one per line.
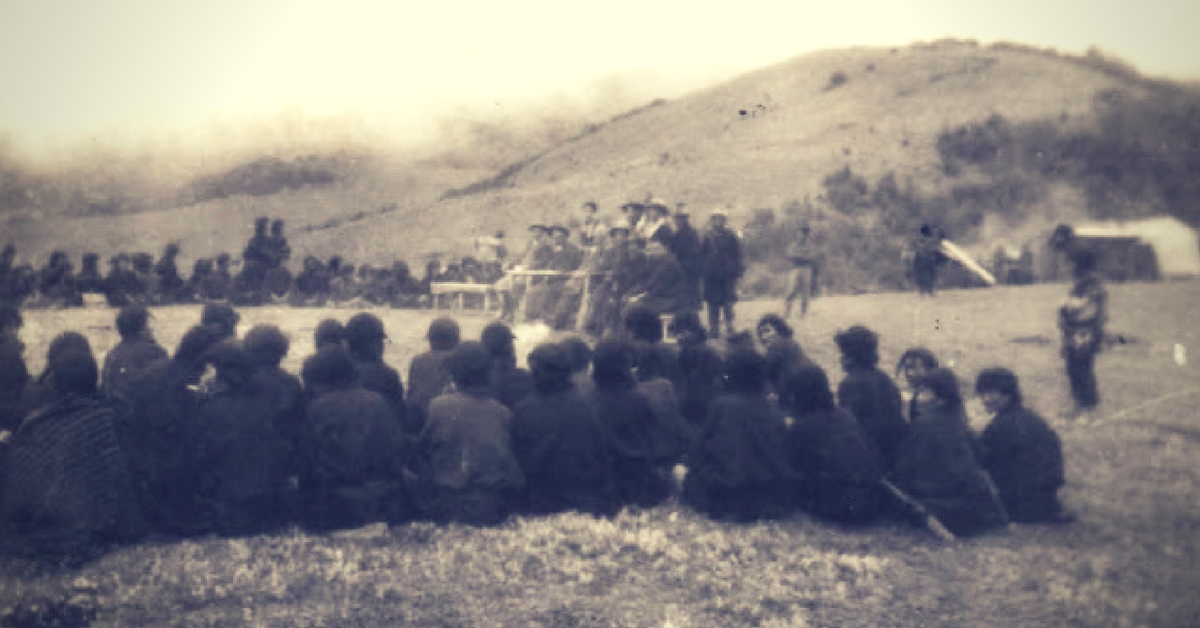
(648,256)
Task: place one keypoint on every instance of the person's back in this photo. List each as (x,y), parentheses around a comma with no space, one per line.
(353,452)
(365,338)
(135,352)
(428,376)
(68,490)
(868,393)
(561,443)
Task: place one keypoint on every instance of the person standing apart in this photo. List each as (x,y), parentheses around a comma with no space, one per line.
(721,252)
(1081,320)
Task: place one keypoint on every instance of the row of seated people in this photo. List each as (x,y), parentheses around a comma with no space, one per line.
(145,446)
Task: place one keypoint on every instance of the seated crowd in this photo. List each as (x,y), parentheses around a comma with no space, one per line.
(148,444)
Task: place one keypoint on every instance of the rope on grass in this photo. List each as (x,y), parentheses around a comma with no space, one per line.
(1153,402)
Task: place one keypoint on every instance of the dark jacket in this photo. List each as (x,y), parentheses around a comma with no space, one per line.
(376,376)
(427,378)
(840,466)
(641,448)
(564,453)
(722,254)
(871,397)
(123,364)
(1023,456)
(702,381)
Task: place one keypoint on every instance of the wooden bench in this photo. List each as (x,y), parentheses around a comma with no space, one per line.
(438,288)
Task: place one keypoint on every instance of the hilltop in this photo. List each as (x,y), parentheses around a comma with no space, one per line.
(767,140)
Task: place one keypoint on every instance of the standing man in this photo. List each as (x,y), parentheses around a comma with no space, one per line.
(807,261)
(1081,320)
(655,227)
(685,246)
(927,257)
(591,229)
(722,267)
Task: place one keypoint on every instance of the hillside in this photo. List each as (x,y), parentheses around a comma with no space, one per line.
(767,139)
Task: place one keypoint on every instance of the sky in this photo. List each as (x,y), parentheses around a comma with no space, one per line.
(108,72)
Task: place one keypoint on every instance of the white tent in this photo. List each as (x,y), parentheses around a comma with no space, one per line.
(1176,245)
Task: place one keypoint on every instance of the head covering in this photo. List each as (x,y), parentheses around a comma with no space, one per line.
(720,211)
(943,384)
(998,379)
(222,316)
(329,331)
(497,338)
(550,366)
(658,203)
(578,352)
(131,320)
(195,342)
(443,333)
(621,225)
(65,342)
(643,323)
(266,345)
(560,229)
(231,362)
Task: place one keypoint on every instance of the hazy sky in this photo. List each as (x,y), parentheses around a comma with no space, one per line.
(113,70)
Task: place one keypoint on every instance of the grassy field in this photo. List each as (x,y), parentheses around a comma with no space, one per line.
(1132,559)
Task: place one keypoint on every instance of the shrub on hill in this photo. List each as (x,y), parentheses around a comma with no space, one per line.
(266,176)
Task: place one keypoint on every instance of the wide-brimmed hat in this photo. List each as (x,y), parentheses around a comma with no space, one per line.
(657,203)
(561,228)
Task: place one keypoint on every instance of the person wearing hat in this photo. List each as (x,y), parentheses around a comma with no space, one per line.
(121,282)
(565,257)
(685,246)
(428,376)
(634,214)
(655,226)
(721,252)
(365,339)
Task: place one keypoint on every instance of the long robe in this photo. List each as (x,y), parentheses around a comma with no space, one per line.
(124,363)
(841,467)
(641,448)
(1023,456)
(872,398)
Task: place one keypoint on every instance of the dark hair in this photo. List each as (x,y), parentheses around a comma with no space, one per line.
(329,332)
(266,345)
(232,363)
(497,338)
(443,333)
(643,323)
(653,361)
(331,366)
(196,342)
(776,321)
(917,353)
(470,365)
(365,335)
(74,371)
(578,353)
(10,317)
(745,370)
(688,321)
(221,316)
(66,342)
(805,389)
(998,379)
(942,383)
(550,366)
(131,320)
(612,364)
(859,344)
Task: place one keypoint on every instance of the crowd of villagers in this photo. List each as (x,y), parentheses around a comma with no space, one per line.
(214,438)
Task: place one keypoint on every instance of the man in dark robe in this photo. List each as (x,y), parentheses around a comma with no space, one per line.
(868,393)
(132,355)
(68,491)
(202,269)
(277,245)
(365,339)
(266,346)
(468,472)
(663,283)
(1020,451)
(428,376)
(642,449)
(927,258)
(685,246)
(256,257)
(41,391)
(561,443)
(154,430)
(354,452)
(89,279)
(840,468)
(237,446)
(738,467)
(509,383)
(122,284)
(701,369)
(142,265)
(57,283)
(722,253)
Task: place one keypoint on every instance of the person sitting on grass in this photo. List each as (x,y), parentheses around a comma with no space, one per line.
(135,352)
(840,466)
(868,393)
(221,317)
(354,452)
(365,339)
(936,463)
(782,351)
(468,472)
(1020,451)
(915,364)
(428,376)
(703,376)
(508,383)
(266,346)
(738,467)
(560,442)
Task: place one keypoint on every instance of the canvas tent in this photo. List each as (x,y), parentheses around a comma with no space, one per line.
(1175,245)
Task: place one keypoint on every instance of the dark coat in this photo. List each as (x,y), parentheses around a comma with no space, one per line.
(840,466)
(872,398)
(702,381)
(936,465)
(376,376)
(468,472)
(1023,456)
(14,376)
(123,364)
(509,384)
(641,448)
(242,461)
(564,452)
(782,355)
(427,378)
(353,461)
(68,485)
(287,403)
(738,466)
(722,255)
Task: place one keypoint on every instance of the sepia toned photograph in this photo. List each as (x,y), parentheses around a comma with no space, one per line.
(632,315)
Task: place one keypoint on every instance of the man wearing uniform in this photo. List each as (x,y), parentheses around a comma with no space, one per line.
(722,266)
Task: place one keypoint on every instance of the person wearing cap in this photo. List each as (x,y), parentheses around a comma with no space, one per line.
(721,252)
(656,227)
(509,383)
(365,339)
(133,354)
